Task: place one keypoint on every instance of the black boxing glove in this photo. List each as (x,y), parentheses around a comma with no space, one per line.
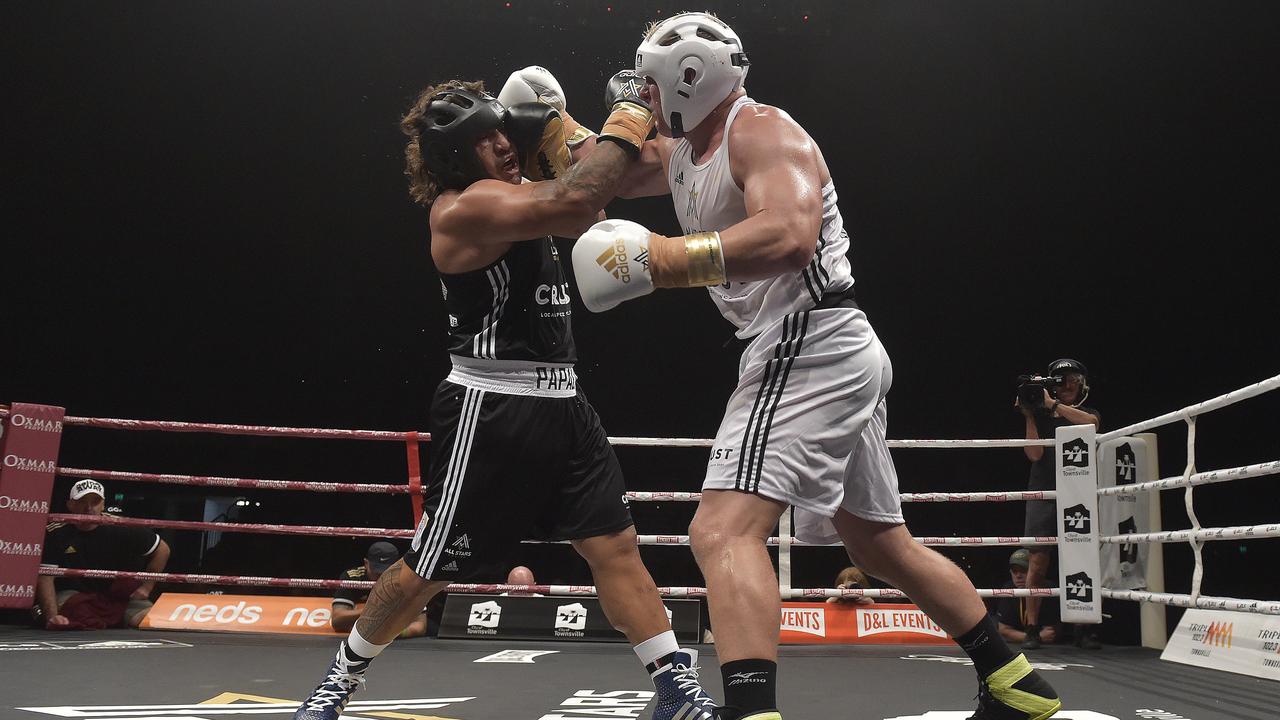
(630,119)
(537,131)
(624,86)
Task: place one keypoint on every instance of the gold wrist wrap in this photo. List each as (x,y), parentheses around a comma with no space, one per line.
(691,261)
(579,135)
(629,124)
(706,259)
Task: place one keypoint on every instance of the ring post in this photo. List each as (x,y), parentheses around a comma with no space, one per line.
(1155,630)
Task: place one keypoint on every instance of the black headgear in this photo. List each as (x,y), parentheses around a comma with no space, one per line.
(455,119)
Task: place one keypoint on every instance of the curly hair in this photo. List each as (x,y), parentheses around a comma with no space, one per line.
(424,187)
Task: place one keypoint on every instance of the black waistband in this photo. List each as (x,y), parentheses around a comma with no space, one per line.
(835,299)
(838,298)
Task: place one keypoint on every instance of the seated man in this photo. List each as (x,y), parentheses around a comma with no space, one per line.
(1011,612)
(348,604)
(851,578)
(87,604)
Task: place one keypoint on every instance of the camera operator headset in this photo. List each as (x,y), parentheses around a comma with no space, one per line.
(1047,403)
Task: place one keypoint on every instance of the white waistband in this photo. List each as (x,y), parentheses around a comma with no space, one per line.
(515,377)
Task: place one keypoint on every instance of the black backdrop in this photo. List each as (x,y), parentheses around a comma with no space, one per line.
(205,219)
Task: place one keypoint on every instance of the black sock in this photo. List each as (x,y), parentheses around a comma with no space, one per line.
(750,686)
(352,659)
(985,646)
(661,662)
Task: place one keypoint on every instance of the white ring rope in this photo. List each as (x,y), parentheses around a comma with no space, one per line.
(1197,535)
(573,590)
(1221,401)
(984,541)
(924,497)
(704,442)
(1188,499)
(1200,478)
(1265,607)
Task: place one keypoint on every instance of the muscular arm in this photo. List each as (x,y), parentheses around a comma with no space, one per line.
(776,164)
(494,212)
(647,177)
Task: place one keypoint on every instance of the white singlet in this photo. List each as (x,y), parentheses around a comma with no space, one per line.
(806,424)
(707,198)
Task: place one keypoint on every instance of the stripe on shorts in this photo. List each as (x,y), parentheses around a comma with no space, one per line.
(459,456)
(776,370)
(777,398)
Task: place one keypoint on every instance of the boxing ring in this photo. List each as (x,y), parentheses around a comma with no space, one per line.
(176,674)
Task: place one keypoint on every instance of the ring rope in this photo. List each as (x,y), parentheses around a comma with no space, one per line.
(1196,535)
(1188,499)
(387,489)
(405,436)
(1263,607)
(1219,402)
(342,531)
(1204,601)
(1200,478)
(486,588)
(216,481)
(237,429)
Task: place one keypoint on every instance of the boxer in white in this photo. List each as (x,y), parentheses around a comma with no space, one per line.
(806,423)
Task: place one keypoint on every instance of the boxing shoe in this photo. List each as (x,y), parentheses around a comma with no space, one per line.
(679,693)
(1016,692)
(329,699)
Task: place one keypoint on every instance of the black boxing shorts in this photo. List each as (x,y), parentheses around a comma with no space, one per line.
(506,468)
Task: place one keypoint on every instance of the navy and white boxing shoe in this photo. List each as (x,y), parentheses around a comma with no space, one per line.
(679,693)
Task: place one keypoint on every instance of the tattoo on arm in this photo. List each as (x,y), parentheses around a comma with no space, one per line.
(596,179)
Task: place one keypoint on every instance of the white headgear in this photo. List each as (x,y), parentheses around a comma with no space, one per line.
(696,61)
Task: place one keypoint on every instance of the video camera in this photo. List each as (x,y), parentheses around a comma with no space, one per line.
(1031,389)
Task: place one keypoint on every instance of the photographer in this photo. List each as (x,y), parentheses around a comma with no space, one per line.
(1048,403)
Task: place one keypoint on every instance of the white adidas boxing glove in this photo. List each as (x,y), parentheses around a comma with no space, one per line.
(532,84)
(611,262)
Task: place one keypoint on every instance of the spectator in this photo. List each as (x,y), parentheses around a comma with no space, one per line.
(1011,612)
(851,578)
(521,575)
(348,604)
(1043,414)
(68,603)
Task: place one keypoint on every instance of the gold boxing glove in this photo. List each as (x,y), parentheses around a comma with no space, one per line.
(537,131)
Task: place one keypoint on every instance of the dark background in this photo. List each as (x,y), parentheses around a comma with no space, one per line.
(205,219)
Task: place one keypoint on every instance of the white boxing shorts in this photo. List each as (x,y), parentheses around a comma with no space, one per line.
(806,424)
